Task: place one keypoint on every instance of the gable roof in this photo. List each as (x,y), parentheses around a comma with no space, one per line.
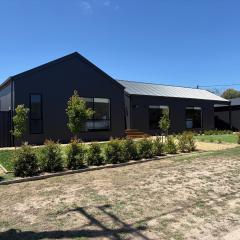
(159,90)
(57,61)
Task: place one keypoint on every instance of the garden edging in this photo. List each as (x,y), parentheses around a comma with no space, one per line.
(94,168)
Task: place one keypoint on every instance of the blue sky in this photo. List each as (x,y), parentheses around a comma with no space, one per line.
(180,42)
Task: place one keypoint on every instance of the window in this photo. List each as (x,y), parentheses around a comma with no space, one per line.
(193,117)
(35,113)
(155,114)
(101,116)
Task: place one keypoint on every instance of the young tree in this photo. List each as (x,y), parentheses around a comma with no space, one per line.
(20,121)
(164,123)
(77,113)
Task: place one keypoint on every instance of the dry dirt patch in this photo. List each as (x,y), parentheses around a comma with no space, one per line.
(207,146)
(167,199)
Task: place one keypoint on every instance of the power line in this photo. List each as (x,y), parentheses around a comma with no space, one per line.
(223,85)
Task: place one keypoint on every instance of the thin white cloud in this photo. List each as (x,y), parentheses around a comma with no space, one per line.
(86,7)
(107,3)
(111,4)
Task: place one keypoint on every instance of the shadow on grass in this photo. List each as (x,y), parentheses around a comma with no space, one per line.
(101,231)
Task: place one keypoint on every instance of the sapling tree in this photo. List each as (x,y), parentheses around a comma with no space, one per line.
(77,113)
(20,122)
(164,122)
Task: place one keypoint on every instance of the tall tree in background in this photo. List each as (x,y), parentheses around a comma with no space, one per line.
(77,113)
(231,93)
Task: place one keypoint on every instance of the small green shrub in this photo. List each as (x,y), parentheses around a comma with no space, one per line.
(25,162)
(94,155)
(129,150)
(217,132)
(170,145)
(211,140)
(50,157)
(75,153)
(186,142)
(145,148)
(219,140)
(191,142)
(158,146)
(183,145)
(113,152)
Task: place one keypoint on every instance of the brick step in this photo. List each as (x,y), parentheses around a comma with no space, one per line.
(135,133)
(131,130)
(137,136)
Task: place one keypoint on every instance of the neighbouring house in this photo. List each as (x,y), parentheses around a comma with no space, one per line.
(228,116)
(118,105)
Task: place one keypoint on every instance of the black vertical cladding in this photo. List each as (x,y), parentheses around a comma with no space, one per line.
(56,82)
(177,106)
(5,127)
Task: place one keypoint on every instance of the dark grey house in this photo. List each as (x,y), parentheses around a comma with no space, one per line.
(118,105)
(228,116)
(189,108)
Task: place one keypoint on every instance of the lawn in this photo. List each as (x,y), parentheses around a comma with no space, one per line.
(6,159)
(190,197)
(225,138)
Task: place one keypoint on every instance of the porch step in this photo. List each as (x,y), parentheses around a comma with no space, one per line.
(135,133)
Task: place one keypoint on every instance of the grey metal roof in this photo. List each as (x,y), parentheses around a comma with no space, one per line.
(152,89)
(235,101)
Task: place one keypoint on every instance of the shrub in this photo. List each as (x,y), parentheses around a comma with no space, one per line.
(217,132)
(75,152)
(94,155)
(191,141)
(170,146)
(145,148)
(129,150)
(50,157)
(113,152)
(186,142)
(219,140)
(25,162)
(158,146)
(183,143)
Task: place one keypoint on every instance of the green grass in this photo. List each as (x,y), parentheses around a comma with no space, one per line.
(225,138)
(6,159)
(6,177)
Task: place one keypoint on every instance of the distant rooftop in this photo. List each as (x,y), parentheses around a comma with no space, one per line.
(235,101)
(152,89)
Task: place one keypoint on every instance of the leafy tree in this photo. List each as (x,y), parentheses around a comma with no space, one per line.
(164,122)
(20,121)
(77,113)
(231,93)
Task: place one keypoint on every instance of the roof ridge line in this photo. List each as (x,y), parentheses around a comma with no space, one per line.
(161,84)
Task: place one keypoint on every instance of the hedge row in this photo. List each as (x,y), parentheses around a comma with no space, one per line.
(52,158)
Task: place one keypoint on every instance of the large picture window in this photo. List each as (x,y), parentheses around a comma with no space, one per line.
(101,117)
(36,114)
(193,117)
(155,114)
